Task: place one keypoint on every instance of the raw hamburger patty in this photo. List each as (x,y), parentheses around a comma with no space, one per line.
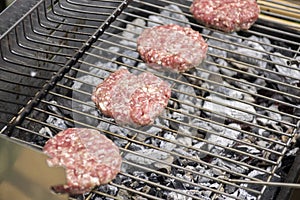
(172,46)
(104,92)
(89,158)
(134,100)
(226,15)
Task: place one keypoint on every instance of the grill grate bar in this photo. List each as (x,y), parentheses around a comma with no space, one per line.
(18,93)
(224,181)
(282,10)
(172,99)
(62,37)
(21,54)
(174,190)
(240,109)
(241,90)
(78,11)
(234,79)
(199,128)
(58,116)
(235,70)
(207,81)
(135,191)
(125,174)
(157,148)
(230,51)
(43,36)
(240,164)
(211,121)
(186,8)
(185,169)
(193,116)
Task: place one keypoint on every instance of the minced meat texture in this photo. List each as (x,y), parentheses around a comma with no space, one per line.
(134,100)
(89,158)
(172,46)
(104,91)
(149,99)
(226,15)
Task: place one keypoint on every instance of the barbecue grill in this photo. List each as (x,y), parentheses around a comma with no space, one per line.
(231,126)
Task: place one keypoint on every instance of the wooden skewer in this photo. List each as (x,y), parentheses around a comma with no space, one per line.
(281,7)
(286,8)
(285,23)
(292,4)
(279,184)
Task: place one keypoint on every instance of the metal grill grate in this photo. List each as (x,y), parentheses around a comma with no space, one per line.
(193,151)
(41,43)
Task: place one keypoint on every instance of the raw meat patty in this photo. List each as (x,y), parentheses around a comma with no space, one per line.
(226,15)
(134,100)
(172,46)
(89,158)
(104,91)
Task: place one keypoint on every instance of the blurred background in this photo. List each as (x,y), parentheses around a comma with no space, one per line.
(4,4)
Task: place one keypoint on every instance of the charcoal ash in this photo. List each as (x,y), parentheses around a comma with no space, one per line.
(240,194)
(148,157)
(219,47)
(180,196)
(142,186)
(182,124)
(169,146)
(228,111)
(108,189)
(270,191)
(223,70)
(187,96)
(185,128)
(58,122)
(273,114)
(230,166)
(250,55)
(225,89)
(132,31)
(289,75)
(170,14)
(248,149)
(128,60)
(219,135)
(218,139)
(245,85)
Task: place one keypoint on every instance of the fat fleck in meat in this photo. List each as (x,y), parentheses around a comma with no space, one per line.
(149,99)
(134,100)
(226,15)
(88,157)
(104,91)
(172,47)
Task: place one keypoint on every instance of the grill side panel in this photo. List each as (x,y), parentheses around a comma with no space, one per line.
(40,45)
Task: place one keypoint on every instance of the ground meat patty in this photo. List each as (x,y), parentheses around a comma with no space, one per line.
(89,158)
(172,46)
(226,15)
(104,91)
(149,99)
(134,100)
